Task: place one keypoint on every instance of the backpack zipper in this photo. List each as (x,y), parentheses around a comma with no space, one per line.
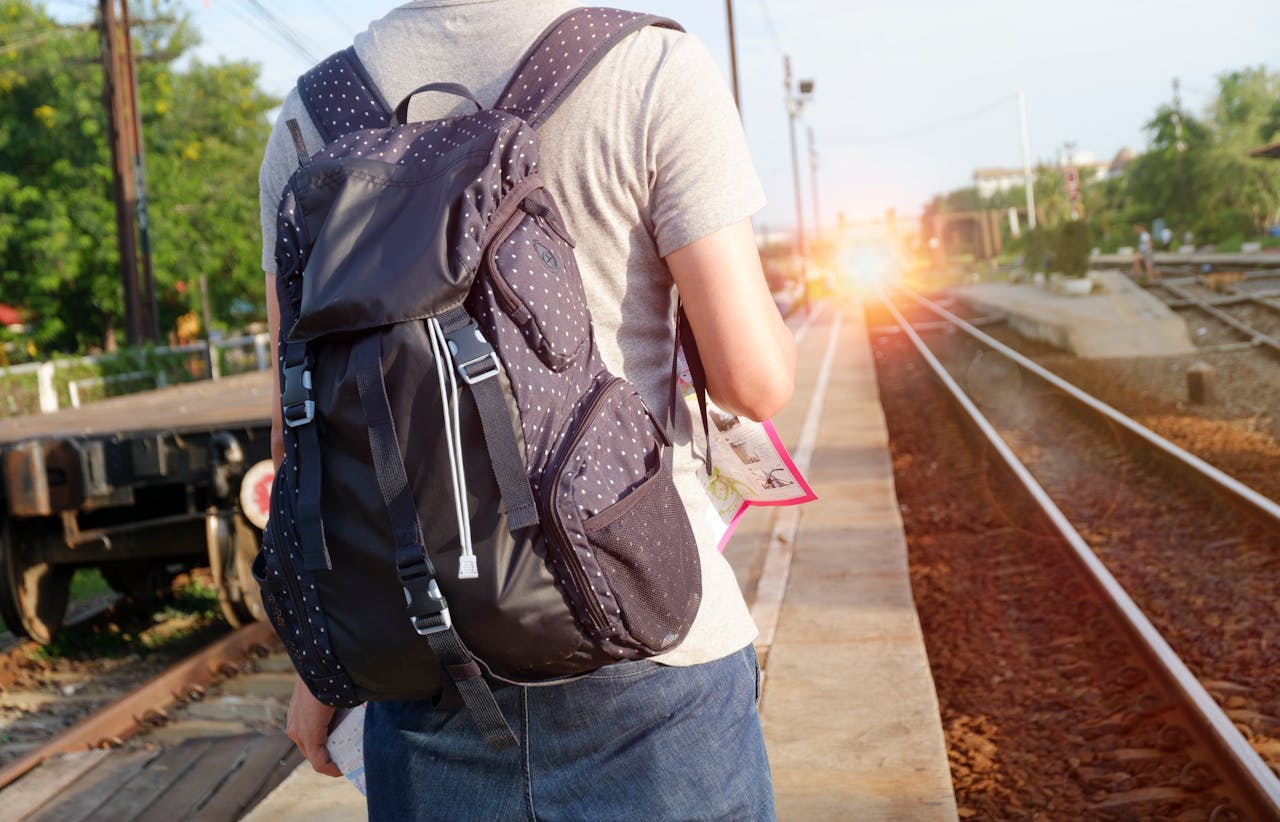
(501,288)
(599,619)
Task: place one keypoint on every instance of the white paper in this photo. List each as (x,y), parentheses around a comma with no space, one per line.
(346,745)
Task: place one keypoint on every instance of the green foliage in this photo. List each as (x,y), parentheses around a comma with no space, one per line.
(203,128)
(1071,248)
(1205,182)
(1035,248)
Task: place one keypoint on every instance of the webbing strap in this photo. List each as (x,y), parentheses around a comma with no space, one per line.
(384,447)
(298,412)
(475,692)
(565,54)
(509,468)
(428,611)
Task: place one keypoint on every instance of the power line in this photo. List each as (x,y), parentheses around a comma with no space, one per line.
(346,28)
(284,31)
(876,138)
(30,40)
(773,29)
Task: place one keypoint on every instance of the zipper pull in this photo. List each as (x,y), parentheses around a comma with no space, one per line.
(467,568)
(537,209)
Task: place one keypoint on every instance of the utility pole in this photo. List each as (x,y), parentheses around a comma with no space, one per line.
(140,181)
(1028,181)
(813,185)
(733,55)
(122,123)
(795,103)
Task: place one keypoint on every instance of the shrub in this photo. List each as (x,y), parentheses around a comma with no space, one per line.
(1071,248)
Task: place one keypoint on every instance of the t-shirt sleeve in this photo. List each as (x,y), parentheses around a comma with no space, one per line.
(701,177)
(279,161)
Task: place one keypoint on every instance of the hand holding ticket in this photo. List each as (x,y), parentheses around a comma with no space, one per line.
(749,464)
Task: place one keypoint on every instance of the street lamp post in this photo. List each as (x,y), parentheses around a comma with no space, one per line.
(795,105)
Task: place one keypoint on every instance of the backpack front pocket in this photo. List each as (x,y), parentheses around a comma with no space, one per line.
(530,266)
(620,531)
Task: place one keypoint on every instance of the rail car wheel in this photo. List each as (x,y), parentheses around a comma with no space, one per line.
(233,542)
(33,593)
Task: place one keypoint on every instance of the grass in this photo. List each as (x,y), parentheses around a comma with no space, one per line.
(173,628)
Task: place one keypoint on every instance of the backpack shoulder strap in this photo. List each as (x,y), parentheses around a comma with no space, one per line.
(341,98)
(564,54)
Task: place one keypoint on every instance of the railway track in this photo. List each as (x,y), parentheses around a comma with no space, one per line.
(1224,313)
(1195,550)
(199,739)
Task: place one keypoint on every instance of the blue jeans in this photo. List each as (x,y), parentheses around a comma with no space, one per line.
(634,740)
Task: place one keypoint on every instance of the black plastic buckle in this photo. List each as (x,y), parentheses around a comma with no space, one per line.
(428,611)
(472,354)
(297,406)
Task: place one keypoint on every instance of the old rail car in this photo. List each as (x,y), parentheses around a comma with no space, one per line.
(141,487)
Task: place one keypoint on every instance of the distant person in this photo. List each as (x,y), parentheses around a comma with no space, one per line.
(1166,237)
(1144,257)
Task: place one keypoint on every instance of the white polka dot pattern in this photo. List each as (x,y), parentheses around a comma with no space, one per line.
(614,536)
(557,62)
(337,99)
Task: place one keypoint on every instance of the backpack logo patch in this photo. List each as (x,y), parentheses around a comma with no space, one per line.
(548,259)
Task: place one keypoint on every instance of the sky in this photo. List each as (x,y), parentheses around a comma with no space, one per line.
(910,96)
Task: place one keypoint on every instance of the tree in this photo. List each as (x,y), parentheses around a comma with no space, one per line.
(203,128)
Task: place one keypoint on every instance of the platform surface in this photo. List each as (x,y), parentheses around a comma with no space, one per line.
(1119,319)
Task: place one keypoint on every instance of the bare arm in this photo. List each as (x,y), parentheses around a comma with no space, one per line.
(748,351)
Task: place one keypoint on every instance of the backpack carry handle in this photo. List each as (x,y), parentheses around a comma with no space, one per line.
(457,89)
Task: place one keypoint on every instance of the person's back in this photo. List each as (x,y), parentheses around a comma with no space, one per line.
(646,160)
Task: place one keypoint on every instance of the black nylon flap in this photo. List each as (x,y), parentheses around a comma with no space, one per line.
(384,239)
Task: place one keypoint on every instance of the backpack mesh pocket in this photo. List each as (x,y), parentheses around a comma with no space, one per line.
(647,552)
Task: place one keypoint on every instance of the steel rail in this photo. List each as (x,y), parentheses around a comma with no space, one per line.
(1255,336)
(118,719)
(1262,785)
(1226,482)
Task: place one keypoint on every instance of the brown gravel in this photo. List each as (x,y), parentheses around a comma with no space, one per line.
(1048,712)
(1239,432)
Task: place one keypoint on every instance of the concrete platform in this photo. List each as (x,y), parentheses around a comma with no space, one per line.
(1261,259)
(1118,319)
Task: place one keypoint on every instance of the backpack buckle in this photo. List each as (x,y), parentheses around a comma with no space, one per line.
(472,354)
(428,611)
(297,406)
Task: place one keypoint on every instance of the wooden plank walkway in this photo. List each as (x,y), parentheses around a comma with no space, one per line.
(215,779)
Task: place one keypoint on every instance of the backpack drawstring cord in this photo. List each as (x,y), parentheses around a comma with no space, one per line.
(467,568)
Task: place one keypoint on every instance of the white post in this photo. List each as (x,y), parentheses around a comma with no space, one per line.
(1027,180)
(261,350)
(48,394)
(1015,230)
(73,390)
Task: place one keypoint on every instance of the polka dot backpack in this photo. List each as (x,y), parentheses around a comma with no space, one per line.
(468,495)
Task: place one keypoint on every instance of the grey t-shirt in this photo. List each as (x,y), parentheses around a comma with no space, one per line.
(646,156)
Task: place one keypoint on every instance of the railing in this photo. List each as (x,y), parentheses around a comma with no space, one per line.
(242,354)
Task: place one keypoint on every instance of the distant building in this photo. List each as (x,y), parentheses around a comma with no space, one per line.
(992,181)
